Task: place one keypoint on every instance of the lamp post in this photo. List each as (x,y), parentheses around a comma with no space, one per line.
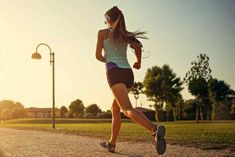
(36,55)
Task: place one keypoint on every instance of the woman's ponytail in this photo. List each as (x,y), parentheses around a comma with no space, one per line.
(119,31)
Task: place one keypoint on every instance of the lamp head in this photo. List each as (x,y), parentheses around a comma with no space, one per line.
(36,56)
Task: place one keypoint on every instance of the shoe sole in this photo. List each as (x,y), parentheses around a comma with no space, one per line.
(161,143)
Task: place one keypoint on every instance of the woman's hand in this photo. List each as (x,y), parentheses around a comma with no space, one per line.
(137,65)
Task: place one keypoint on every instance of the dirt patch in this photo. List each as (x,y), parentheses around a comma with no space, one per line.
(2,153)
(28,143)
(205,145)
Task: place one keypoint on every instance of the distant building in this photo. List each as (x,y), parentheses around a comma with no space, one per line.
(233,103)
(34,112)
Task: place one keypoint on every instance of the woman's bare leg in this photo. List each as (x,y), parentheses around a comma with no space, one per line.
(116,122)
(120,93)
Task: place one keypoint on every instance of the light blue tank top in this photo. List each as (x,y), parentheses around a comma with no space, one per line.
(115,54)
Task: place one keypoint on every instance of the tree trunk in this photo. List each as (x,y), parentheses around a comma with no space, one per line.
(174,113)
(197,108)
(214,115)
(167,118)
(179,115)
(208,114)
(135,103)
(156,112)
(160,113)
(136,98)
(201,113)
(156,116)
(213,112)
(167,112)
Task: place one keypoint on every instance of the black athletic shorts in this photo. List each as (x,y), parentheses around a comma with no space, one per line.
(120,75)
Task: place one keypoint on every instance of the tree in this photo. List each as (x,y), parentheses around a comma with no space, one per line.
(199,69)
(179,108)
(8,104)
(197,79)
(190,109)
(136,90)
(17,112)
(162,85)
(63,112)
(218,91)
(76,108)
(93,109)
(10,109)
(5,114)
(198,88)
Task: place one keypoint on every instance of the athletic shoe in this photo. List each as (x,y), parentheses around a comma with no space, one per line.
(160,140)
(110,147)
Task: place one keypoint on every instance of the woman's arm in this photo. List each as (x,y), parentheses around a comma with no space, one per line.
(99,47)
(138,54)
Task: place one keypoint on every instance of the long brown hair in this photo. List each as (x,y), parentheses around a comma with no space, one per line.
(119,31)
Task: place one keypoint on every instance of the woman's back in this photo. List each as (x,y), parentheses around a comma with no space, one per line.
(115,53)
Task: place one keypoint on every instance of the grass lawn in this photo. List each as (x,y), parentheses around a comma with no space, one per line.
(206,134)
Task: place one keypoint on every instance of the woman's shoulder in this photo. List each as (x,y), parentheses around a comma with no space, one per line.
(103,33)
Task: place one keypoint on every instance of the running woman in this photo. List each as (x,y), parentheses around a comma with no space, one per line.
(114,40)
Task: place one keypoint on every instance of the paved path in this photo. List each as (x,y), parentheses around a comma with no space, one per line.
(26,143)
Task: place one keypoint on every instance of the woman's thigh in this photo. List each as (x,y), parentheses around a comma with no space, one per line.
(120,93)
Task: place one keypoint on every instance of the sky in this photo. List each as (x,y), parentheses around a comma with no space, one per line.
(178,31)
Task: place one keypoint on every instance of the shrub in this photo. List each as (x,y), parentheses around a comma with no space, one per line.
(89,116)
(105,115)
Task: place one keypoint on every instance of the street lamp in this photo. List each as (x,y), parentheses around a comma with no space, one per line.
(36,55)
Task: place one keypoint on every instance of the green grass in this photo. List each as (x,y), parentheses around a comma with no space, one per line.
(58,121)
(222,132)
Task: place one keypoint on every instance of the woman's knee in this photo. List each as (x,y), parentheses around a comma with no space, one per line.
(128,113)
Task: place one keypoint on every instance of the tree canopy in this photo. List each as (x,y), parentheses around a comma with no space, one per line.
(77,108)
(162,85)
(93,109)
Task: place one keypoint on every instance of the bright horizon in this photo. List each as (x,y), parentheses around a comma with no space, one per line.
(177,31)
